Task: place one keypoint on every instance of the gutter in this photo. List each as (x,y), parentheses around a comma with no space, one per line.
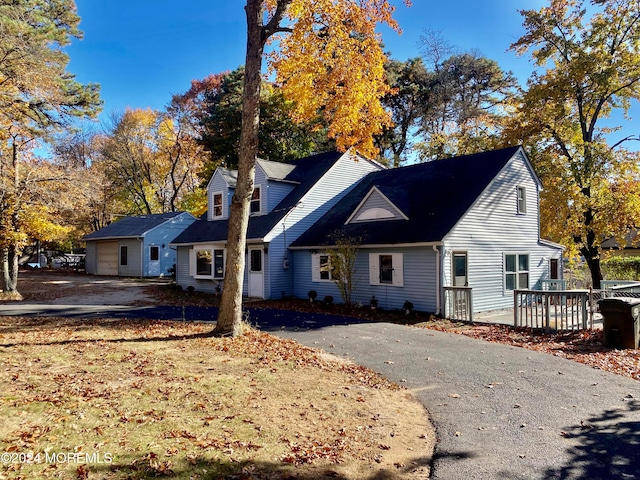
(438,279)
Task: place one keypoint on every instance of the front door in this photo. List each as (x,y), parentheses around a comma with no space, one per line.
(256,272)
(460,264)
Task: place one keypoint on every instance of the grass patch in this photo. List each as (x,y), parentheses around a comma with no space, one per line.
(115,399)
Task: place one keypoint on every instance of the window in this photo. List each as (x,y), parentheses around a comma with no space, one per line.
(255,200)
(516,271)
(124,251)
(460,278)
(321,267)
(208,263)
(522,200)
(386,269)
(154,253)
(217,205)
(218,263)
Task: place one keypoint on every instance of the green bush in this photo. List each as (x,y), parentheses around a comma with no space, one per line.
(621,268)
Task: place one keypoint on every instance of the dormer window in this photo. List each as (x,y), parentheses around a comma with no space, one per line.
(217,205)
(255,200)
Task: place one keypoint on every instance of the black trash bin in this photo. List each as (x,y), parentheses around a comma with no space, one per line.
(621,321)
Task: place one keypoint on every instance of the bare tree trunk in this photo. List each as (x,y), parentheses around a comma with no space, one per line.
(230,314)
(10,271)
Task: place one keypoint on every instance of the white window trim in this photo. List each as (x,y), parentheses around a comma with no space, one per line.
(193,261)
(517,272)
(315,268)
(397,262)
(213,205)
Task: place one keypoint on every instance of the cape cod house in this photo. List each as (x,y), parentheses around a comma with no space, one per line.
(136,246)
(288,198)
(469,221)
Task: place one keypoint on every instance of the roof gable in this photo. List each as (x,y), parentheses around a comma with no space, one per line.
(375,206)
(432,196)
(306,172)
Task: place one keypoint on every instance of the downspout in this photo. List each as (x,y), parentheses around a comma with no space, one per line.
(438,269)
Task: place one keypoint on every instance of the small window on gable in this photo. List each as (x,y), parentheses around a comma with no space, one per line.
(255,200)
(375,214)
(522,200)
(217,205)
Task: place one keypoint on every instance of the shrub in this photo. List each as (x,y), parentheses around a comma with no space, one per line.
(312,295)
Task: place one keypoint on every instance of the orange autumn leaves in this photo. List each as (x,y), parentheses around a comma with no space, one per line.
(330,63)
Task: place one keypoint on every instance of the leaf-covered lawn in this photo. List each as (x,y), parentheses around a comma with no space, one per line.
(117,399)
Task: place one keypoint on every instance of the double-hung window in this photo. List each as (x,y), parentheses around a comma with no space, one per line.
(386,269)
(255,200)
(217,205)
(516,271)
(521,194)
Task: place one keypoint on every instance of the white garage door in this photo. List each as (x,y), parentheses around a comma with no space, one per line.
(107,255)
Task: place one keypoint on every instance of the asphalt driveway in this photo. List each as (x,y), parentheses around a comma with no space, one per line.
(500,412)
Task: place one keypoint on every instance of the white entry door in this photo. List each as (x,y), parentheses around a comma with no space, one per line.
(256,272)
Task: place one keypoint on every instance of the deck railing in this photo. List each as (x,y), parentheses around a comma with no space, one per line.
(552,310)
(458,303)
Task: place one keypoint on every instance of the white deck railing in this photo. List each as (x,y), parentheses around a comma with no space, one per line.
(458,303)
(552,310)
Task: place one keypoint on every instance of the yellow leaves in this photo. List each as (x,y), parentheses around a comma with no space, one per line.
(332,66)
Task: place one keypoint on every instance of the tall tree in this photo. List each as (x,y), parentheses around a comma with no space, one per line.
(463,106)
(410,81)
(37,95)
(153,158)
(280,139)
(592,67)
(330,63)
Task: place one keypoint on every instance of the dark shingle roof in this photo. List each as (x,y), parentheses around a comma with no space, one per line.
(306,173)
(132,226)
(434,196)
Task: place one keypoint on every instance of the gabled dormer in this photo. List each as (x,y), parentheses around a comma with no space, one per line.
(272,184)
(376,207)
(219,192)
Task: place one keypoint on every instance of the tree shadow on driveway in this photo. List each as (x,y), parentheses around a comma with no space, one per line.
(605,446)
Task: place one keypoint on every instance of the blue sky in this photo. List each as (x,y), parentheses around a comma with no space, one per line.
(142,52)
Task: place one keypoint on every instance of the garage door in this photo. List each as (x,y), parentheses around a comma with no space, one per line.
(107,255)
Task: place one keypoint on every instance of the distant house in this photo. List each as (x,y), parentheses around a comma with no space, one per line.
(469,221)
(631,247)
(287,199)
(136,246)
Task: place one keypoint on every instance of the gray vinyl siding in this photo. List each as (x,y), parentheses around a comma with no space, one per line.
(334,185)
(419,266)
(161,237)
(133,268)
(272,192)
(493,227)
(183,275)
